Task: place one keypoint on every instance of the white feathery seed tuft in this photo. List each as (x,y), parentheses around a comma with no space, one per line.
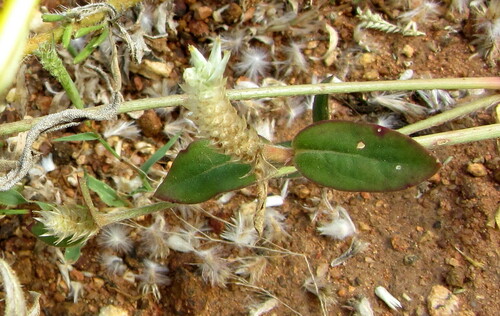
(425,12)
(253,268)
(213,268)
(295,59)
(113,264)
(115,237)
(254,63)
(340,226)
(154,238)
(242,232)
(180,244)
(152,277)
(48,163)
(125,129)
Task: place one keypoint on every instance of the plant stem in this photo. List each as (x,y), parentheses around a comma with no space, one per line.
(308,89)
(366,86)
(109,218)
(461,136)
(56,33)
(451,114)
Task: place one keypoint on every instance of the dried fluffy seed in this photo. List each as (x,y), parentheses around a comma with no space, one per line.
(242,232)
(254,63)
(152,276)
(116,237)
(214,269)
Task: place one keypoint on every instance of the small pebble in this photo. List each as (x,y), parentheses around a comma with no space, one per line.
(410,260)
(453,262)
(198,28)
(441,302)
(150,123)
(455,277)
(408,51)
(98,282)
(399,244)
(366,59)
(203,12)
(232,14)
(111,310)
(477,169)
(371,75)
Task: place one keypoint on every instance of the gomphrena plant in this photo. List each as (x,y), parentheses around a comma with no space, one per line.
(229,153)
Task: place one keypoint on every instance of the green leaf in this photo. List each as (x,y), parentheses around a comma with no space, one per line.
(200,172)
(11,198)
(66,37)
(86,30)
(78,137)
(321,111)
(44,206)
(73,253)
(91,46)
(160,153)
(107,194)
(352,156)
(39,230)
(108,147)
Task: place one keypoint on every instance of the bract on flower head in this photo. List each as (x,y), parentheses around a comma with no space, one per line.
(206,73)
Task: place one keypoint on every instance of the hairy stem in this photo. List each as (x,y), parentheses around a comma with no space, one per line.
(308,89)
(109,218)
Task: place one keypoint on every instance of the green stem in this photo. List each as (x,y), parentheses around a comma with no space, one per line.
(109,218)
(308,89)
(366,86)
(451,114)
(461,136)
(56,33)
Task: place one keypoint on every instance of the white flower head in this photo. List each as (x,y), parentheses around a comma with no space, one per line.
(73,222)
(206,73)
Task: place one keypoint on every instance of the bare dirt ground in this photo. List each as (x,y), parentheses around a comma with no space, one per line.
(414,235)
